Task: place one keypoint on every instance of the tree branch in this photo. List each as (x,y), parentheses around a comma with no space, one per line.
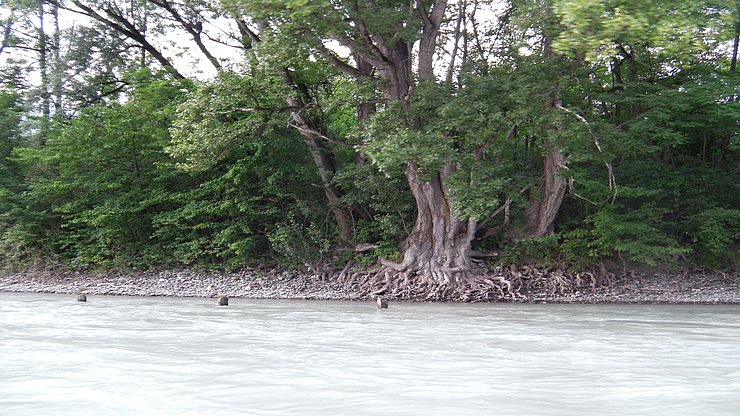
(126,28)
(7,31)
(194,29)
(337,63)
(609,168)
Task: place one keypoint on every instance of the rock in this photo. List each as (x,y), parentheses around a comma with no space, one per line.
(223,301)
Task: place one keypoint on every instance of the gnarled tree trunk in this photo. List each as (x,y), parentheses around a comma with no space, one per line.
(438,248)
(437,252)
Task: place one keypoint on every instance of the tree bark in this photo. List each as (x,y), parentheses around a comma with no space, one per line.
(438,250)
(57,63)
(44,74)
(428,42)
(365,110)
(324,161)
(543,211)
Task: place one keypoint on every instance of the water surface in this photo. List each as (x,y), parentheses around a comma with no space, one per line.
(167,356)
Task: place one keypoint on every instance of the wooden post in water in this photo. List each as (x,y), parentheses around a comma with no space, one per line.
(223,301)
(81,297)
(382,302)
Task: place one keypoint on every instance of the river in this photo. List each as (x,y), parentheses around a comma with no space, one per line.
(188,356)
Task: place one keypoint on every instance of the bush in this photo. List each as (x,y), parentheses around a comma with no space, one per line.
(715,234)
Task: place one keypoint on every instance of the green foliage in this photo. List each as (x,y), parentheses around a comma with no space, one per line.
(384,217)
(629,235)
(144,170)
(216,117)
(679,29)
(544,250)
(16,230)
(229,216)
(715,237)
(106,180)
(301,245)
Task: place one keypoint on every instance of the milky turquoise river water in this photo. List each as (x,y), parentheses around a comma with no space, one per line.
(165,356)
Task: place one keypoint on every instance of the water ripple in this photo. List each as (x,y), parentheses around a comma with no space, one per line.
(161,356)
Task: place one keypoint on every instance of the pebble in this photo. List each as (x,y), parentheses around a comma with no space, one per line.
(673,289)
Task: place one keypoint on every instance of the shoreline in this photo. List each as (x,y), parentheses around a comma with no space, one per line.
(634,288)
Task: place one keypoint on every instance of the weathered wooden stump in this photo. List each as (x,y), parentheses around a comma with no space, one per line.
(223,301)
(81,297)
(382,302)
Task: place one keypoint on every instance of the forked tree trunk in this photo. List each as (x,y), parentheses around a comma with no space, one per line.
(543,210)
(438,249)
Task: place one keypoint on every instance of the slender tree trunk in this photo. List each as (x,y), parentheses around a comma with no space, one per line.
(617,87)
(8,30)
(462,6)
(322,156)
(44,74)
(324,161)
(57,63)
(325,164)
(736,40)
(195,30)
(543,211)
(733,62)
(364,110)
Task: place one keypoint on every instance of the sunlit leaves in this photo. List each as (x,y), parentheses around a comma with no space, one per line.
(218,116)
(677,29)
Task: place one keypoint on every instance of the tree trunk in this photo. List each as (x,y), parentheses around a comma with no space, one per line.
(8,30)
(44,74)
(437,252)
(542,212)
(438,249)
(736,39)
(322,156)
(57,63)
(324,161)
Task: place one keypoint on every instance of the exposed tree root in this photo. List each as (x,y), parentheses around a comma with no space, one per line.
(501,284)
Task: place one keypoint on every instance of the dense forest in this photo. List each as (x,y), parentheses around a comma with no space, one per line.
(425,140)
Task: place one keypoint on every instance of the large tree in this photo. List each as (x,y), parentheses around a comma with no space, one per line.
(386,36)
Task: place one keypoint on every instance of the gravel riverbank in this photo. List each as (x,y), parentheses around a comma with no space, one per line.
(696,287)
